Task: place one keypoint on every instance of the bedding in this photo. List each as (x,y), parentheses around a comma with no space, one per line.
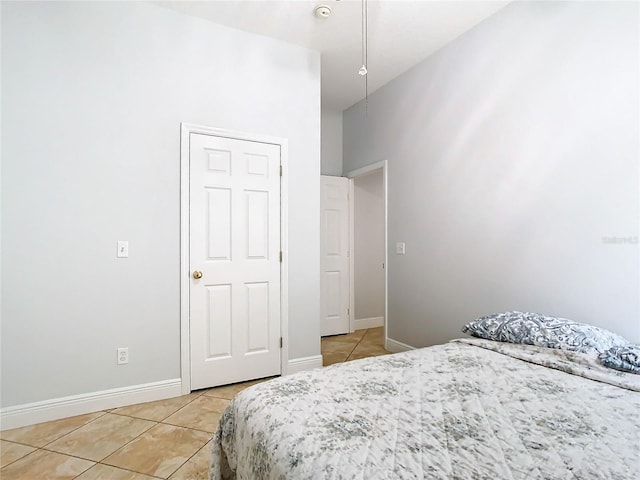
(545,331)
(622,357)
(468,409)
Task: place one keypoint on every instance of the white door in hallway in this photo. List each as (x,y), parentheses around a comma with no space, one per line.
(234,257)
(334,255)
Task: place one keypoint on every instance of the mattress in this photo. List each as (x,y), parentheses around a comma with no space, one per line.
(468,409)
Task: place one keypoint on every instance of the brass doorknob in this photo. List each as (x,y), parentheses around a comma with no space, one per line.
(197,274)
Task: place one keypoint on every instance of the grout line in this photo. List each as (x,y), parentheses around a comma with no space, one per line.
(153,401)
(128,470)
(117,449)
(44,449)
(21,443)
(189,459)
(360,341)
(354,348)
(24,456)
(103,458)
(367,331)
(58,437)
(192,428)
(86,470)
(113,466)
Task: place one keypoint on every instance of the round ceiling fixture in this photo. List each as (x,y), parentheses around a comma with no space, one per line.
(322,11)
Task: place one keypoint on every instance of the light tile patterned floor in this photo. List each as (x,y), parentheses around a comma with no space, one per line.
(163,439)
(359,344)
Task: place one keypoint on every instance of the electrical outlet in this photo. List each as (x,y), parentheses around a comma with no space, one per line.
(123,356)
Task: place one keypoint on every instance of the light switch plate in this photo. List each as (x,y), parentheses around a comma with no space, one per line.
(123,249)
(400,248)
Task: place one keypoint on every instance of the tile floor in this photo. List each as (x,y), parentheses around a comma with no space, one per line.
(168,439)
(359,344)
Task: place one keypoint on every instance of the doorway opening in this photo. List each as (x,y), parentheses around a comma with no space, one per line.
(368,238)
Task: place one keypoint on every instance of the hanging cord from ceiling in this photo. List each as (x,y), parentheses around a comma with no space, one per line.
(365,53)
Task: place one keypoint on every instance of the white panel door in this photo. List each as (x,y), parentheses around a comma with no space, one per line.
(334,252)
(235,246)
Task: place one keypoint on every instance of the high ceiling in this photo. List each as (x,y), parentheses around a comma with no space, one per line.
(401,33)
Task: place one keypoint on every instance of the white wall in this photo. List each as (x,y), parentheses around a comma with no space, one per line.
(331,143)
(368,207)
(512,153)
(93,94)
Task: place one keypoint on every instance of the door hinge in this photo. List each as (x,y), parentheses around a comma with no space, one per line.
(348,312)
(280,256)
(280,342)
(280,170)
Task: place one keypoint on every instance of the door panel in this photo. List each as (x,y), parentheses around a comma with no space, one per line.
(257,296)
(334,251)
(218,318)
(235,242)
(218,223)
(257,221)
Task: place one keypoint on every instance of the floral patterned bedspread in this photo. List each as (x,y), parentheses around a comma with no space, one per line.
(469,409)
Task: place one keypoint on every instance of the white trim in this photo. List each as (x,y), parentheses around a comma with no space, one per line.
(304,363)
(186,130)
(371,322)
(371,168)
(395,347)
(385,188)
(185,348)
(360,172)
(284,266)
(352,228)
(54,409)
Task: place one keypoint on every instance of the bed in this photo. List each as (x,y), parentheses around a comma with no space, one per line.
(469,409)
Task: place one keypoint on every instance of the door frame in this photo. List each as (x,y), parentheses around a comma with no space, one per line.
(186,129)
(352,175)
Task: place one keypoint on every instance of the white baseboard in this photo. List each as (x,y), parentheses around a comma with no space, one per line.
(54,409)
(304,363)
(373,322)
(397,347)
